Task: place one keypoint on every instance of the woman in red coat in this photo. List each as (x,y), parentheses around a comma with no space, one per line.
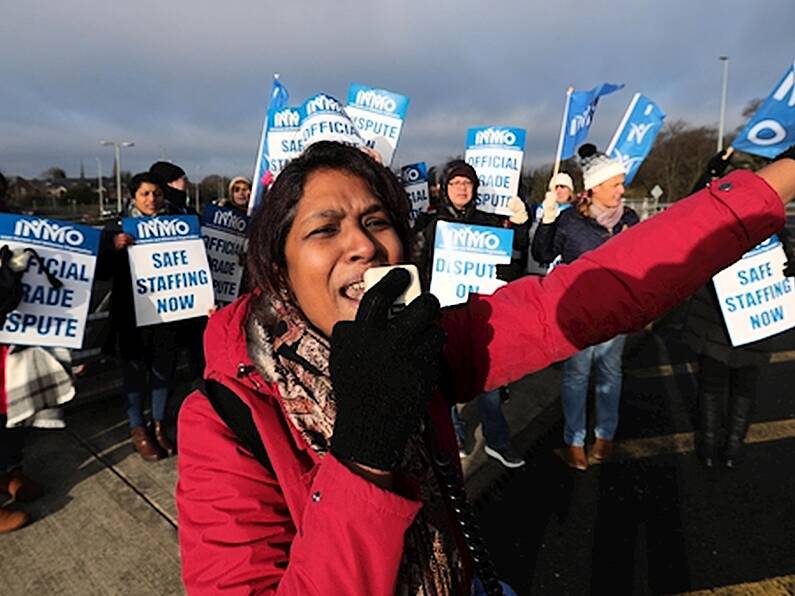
(344,401)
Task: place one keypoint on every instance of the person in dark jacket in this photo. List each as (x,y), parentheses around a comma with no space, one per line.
(144,351)
(458,190)
(599,217)
(175,183)
(724,370)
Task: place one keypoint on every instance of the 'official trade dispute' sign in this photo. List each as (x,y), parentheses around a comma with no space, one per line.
(170,274)
(415,183)
(323,119)
(378,115)
(756,299)
(49,316)
(496,154)
(224,234)
(465,259)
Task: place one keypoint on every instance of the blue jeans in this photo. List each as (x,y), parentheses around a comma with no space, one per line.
(574,390)
(134,373)
(495,427)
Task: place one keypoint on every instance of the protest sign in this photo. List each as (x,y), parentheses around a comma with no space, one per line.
(284,139)
(635,135)
(323,119)
(496,154)
(378,115)
(578,115)
(415,183)
(263,168)
(465,259)
(49,316)
(168,265)
(756,299)
(772,129)
(224,233)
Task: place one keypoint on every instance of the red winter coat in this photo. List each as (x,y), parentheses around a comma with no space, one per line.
(315,528)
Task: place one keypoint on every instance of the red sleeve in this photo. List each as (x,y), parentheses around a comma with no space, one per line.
(617,288)
(237,536)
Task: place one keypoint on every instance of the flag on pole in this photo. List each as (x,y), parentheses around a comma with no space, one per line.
(579,115)
(262,175)
(772,129)
(635,135)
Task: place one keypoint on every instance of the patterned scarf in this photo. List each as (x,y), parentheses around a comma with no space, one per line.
(607,217)
(290,352)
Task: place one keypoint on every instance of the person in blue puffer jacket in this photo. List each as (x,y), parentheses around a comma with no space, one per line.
(571,233)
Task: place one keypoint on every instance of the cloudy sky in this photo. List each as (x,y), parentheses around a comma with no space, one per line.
(190,78)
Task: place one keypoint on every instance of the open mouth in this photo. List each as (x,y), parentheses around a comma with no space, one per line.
(354,290)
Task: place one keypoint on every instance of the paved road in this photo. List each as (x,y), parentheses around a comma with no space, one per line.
(655,521)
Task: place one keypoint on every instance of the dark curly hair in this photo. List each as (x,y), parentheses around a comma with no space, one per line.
(272,220)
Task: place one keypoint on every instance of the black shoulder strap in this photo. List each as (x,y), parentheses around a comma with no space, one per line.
(237,416)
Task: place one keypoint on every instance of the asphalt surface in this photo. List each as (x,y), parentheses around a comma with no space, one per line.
(652,525)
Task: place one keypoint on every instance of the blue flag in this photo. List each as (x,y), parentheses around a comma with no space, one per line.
(579,115)
(772,129)
(635,135)
(278,101)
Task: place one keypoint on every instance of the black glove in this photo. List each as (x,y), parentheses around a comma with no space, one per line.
(383,373)
(788,154)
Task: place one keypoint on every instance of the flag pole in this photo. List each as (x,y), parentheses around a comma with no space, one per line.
(256,183)
(633,102)
(556,168)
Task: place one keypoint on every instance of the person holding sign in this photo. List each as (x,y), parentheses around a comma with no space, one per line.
(563,187)
(459,189)
(569,234)
(346,482)
(726,374)
(146,353)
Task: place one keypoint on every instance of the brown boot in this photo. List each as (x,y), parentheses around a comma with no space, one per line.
(19,486)
(162,438)
(144,444)
(602,449)
(575,457)
(12,520)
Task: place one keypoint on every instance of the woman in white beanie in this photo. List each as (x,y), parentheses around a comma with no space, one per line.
(569,234)
(239,194)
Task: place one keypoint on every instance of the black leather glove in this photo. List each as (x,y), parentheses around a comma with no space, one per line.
(788,154)
(383,373)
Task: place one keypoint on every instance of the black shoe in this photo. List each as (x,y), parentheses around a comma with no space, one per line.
(506,456)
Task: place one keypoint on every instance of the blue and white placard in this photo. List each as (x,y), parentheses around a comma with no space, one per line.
(324,119)
(415,183)
(496,154)
(378,115)
(756,299)
(284,140)
(772,129)
(170,275)
(224,233)
(465,259)
(48,316)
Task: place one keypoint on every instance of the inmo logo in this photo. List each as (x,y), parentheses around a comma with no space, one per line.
(411,174)
(48,230)
(230,220)
(322,103)
(495,136)
(286,118)
(155,228)
(468,239)
(375,101)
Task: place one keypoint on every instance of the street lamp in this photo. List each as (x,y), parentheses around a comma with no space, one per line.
(722,121)
(118,147)
(100,187)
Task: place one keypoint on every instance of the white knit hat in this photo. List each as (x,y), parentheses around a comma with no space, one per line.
(597,167)
(562,179)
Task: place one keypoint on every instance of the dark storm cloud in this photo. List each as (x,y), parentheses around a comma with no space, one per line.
(191,78)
